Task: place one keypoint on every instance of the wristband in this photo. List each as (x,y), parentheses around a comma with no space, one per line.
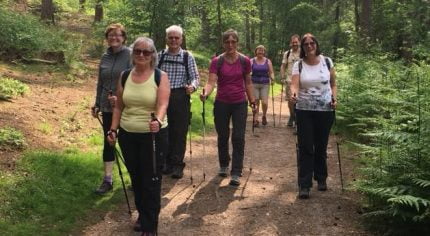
(110,132)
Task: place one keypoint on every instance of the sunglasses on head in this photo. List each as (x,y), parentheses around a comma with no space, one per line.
(145,52)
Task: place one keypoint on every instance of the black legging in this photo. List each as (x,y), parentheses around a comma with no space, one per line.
(108,150)
(137,150)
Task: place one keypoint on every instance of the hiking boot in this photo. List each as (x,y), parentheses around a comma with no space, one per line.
(322,185)
(167,170)
(290,122)
(104,188)
(223,171)
(235,180)
(137,227)
(148,234)
(304,193)
(178,173)
(264,120)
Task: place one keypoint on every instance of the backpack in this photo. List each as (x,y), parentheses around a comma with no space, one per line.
(184,62)
(327,62)
(126,73)
(221,60)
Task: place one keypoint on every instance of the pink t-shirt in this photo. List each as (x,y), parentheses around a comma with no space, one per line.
(231,83)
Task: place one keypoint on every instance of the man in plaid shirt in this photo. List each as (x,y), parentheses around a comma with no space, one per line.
(183,75)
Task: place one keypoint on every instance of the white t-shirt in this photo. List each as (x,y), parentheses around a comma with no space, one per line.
(314,86)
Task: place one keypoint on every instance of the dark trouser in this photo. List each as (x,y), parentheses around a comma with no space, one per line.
(137,150)
(222,114)
(108,150)
(178,114)
(313,130)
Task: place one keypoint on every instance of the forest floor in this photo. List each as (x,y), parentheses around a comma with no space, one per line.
(55,115)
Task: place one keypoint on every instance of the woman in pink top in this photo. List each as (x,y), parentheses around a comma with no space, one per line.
(231,72)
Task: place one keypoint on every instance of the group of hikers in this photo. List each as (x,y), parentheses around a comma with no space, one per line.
(143,97)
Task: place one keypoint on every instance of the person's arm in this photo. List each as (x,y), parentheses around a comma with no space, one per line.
(249,89)
(271,72)
(209,87)
(295,83)
(116,112)
(193,73)
(163,94)
(282,72)
(333,87)
(96,107)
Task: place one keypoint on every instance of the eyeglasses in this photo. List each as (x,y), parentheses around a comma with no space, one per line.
(173,38)
(230,42)
(145,52)
(310,43)
(115,35)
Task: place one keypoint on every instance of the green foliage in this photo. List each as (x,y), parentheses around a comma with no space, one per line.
(11,138)
(386,104)
(23,35)
(10,88)
(49,193)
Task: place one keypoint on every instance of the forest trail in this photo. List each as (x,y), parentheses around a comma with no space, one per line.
(265,203)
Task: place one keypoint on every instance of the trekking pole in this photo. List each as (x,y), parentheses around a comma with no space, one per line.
(204,138)
(154,153)
(273,106)
(254,113)
(297,153)
(280,107)
(191,151)
(117,154)
(338,152)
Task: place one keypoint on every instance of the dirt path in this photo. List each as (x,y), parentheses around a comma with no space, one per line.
(265,203)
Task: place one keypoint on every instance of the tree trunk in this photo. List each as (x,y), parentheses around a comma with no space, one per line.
(247,32)
(357,17)
(366,9)
(98,11)
(47,11)
(260,32)
(336,34)
(219,26)
(206,27)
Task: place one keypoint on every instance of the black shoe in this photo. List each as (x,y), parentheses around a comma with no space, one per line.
(304,193)
(137,227)
(167,170)
(322,185)
(178,173)
(235,180)
(104,188)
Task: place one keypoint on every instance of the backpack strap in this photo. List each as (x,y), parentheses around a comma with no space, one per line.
(219,64)
(160,62)
(126,73)
(327,62)
(124,76)
(300,66)
(288,56)
(185,62)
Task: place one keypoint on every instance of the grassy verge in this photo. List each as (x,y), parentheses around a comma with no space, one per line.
(50,193)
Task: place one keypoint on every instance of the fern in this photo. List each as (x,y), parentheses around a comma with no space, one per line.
(422,183)
(410,201)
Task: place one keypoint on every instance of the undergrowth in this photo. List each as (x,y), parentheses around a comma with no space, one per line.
(10,88)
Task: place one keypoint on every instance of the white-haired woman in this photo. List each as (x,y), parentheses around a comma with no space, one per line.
(141,94)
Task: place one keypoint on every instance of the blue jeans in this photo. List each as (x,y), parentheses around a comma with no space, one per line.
(313,130)
(238,113)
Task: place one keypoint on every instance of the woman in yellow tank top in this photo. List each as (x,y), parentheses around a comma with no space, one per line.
(140,96)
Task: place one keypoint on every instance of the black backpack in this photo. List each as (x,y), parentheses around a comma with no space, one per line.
(126,73)
(184,62)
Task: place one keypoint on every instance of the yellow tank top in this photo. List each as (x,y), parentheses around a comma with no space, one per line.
(140,100)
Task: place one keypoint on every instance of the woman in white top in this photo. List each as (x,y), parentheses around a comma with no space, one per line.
(313,89)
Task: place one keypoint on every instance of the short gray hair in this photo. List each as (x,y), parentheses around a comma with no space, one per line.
(150,42)
(175,28)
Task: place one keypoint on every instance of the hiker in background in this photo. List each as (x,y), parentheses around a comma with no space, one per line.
(142,91)
(231,72)
(313,90)
(113,61)
(290,57)
(262,76)
(183,75)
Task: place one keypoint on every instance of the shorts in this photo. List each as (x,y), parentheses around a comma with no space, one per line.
(261,92)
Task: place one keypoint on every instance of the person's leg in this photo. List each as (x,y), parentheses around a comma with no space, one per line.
(265,101)
(129,145)
(151,183)
(108,156)
(322,124)
(178,119)
(240,113)
(257,96)
(305,135)
(222,122)
(291,109)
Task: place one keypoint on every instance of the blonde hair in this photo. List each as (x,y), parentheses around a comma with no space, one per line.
(259,47)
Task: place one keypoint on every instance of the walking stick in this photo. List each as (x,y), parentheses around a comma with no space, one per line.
(154,153)
(117,154)
(338,153)
(191,151)
(280,107)
(273,107)
(204,138)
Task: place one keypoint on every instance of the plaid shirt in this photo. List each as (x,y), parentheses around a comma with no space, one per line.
(176,71)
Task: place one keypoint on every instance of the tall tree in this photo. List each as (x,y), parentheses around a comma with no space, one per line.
(366,12)
(219,26)
(98,16)
(47,11)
